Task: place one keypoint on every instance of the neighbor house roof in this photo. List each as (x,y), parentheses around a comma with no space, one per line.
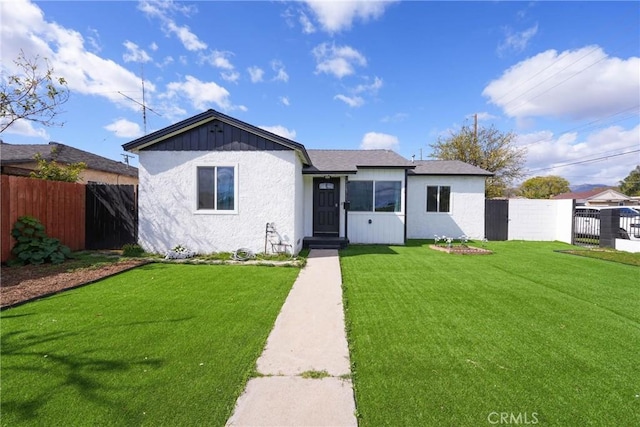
(209,116)
(581,195)
(349,161)
(595,194)
(447,167)
(13,154)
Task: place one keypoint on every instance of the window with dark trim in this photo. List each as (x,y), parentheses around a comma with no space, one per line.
(438,198)
(216,188)
(388,195)
(360,195)
(378,196)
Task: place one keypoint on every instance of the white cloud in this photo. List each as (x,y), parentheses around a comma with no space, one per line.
(278,68)
(578,84)
(336,16)
(307,25)
(281,131)
(548,153)
(124,128)
(375,141)
(26,128)
(354,101)
(162,10)
(256,74)
(134,53)
(339,61)
(93,39)
(24,27)
(395,118)
(369,88)
(285,100)
(218,59)
(516,41)
(200,94)
(153,46)
(230,76)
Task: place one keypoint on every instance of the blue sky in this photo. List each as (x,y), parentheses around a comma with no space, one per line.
(563,76)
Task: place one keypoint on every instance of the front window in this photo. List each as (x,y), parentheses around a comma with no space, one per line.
(388,196)
(378,196)
(438,198)
(216,188)
(360,196)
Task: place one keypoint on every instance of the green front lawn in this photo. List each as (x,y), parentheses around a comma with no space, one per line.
(526,334)
(162,344)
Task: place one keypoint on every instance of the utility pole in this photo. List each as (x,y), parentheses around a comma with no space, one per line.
(475,127)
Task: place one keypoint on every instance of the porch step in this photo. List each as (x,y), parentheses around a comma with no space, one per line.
(319,246)
(316,242)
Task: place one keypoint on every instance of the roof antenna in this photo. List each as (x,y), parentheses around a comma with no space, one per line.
(126,158)
(143,103)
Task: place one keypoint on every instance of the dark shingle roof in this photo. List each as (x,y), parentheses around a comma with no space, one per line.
(64,154)
(348,161)
(446,167)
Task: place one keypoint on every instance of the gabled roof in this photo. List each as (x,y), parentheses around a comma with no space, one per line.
(608,194)
(13,154)
(447,167)
(208,116)
(349,161)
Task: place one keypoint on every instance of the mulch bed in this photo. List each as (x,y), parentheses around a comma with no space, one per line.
(24,283)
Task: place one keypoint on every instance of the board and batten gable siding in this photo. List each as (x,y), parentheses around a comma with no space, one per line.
(267,185)
(467,207)
(216,136)
(385,227)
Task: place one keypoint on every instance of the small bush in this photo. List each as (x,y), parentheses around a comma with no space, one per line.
(33,246)
(132,250)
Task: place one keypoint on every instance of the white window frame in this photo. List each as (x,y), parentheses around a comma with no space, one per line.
(236,201)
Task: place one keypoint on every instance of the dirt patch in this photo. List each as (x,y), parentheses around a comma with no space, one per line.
(461,250)
(23,283)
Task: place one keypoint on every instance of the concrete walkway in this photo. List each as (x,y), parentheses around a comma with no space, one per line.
(309,335)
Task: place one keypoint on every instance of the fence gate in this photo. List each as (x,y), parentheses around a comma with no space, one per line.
(496,219)
(111,216)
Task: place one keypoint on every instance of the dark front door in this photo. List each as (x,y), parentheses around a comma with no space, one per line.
(326,206)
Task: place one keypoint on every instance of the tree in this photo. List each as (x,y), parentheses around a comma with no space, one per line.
(487,148)
(34,93)
(631,184)
(52,171)
(543,187)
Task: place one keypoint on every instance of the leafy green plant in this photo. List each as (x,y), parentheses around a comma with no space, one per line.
(132,250)
(33,246)
(52,171)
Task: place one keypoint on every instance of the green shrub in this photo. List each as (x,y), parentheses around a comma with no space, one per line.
(33,246)
(132,250)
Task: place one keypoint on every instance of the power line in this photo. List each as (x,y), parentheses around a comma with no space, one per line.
(586,161)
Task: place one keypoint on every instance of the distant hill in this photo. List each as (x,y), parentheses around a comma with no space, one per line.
(586,187)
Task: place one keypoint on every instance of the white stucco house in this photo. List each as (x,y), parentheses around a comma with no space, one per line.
(212,183)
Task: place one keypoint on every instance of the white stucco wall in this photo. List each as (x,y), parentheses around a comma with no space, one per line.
(268,183)
(385,227)
(540,219)
(466,216)
(627,245)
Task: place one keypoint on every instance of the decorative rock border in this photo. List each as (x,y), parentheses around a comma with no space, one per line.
(461,250)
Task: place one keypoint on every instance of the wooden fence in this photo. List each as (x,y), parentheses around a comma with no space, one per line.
(60,207)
